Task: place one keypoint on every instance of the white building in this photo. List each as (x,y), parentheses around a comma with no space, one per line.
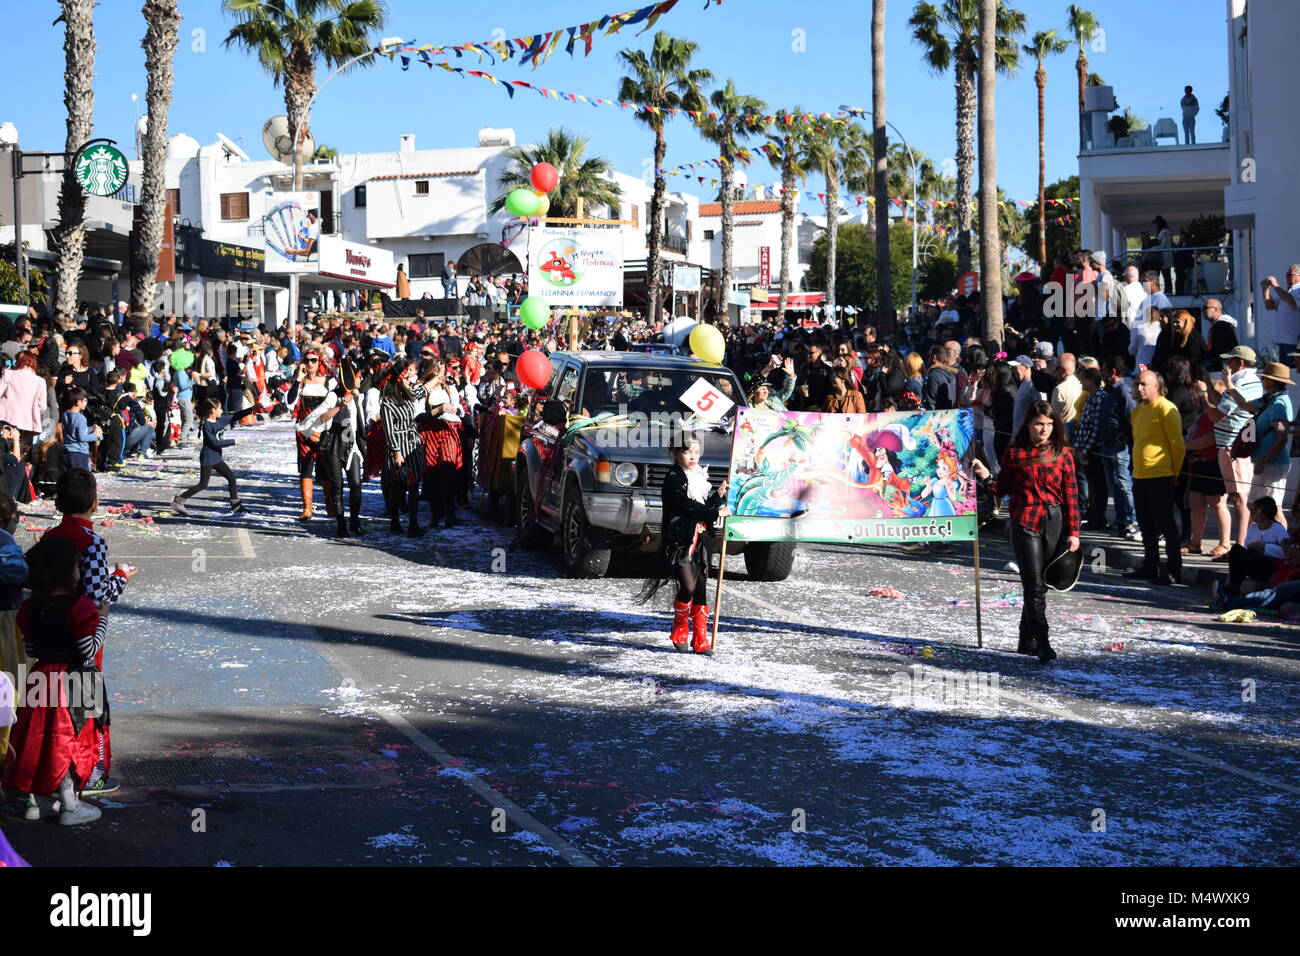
(417,208)
(1241,172)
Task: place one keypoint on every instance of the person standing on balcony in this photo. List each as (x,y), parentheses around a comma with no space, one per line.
(1149,322)
(1191,106)
(1285,301)
(1164,245)
(449,280)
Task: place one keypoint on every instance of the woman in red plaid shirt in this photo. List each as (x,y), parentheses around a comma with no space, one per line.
(1038,473)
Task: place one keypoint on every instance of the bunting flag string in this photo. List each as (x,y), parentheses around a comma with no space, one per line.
(755,120)
(538,47)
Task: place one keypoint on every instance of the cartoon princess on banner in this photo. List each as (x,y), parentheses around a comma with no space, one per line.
(895,465)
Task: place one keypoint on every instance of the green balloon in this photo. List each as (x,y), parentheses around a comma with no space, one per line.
(523,203)
(535,312)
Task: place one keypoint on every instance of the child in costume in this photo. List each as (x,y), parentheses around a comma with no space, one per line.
(689,511)
(61,732)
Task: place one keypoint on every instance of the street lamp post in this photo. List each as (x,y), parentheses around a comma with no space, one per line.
(911,158)
(9,140)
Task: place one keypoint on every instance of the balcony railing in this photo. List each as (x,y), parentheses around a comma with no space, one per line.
(674,243)
(1196,270)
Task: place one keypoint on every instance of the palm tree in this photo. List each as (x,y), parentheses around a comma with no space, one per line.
(663,81)
(69,235)
(1045,44)
(842,153)
(1084,26)
(162,33)
(789,154)
(289,43)
(886,314)
(737,118)
(990,237)
(949,36)
(583,182)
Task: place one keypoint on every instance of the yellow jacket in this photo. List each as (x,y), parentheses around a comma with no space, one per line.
(1157,440)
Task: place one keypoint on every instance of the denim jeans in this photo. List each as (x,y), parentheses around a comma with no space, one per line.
(1115,461)
(137,440)
(1288,592)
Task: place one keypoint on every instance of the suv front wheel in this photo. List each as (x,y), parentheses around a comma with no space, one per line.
(586,549)
(769,560)
(532,536)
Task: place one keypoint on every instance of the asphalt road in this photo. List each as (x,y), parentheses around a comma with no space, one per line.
(283,698)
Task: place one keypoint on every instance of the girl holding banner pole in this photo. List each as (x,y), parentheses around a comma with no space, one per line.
(689,512)
(1038,473)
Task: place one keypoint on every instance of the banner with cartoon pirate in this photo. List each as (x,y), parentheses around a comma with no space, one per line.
(889,477)
(576,266)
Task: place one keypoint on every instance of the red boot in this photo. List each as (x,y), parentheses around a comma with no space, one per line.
(681,625)
(702,644)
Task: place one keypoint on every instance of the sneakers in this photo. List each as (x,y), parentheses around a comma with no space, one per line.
(84,813)
(1133,532)
(150,453)
(37,808)
(237,509)
(178,506)
(102,786)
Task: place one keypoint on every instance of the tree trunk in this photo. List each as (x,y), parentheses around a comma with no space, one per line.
(299,88)
(161,36)
(965,69)
(656,229)
(832,230)
(787,228)
(990,237)
(886,315)
(1040,78)
(728,227)
(69,236)
(1081,67)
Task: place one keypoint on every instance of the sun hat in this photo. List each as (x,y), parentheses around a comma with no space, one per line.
(1243,352)
(1278,372)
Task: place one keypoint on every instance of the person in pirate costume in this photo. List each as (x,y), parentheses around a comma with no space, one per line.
(689,512)
(1038,473)
(403,461)
(343,449)
(312,388)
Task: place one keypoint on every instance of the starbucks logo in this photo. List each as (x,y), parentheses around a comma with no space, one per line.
(101,170)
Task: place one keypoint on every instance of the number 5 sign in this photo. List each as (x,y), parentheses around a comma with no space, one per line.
(706,401)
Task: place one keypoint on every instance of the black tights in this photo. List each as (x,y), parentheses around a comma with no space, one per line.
(205,472)
(331,470)
(692,582)
(398,493)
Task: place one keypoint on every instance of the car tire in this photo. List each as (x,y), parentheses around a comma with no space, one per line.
(586,550)
(769,560)
(534,538)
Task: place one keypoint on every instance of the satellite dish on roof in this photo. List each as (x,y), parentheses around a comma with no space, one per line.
(278,142)
(231,148)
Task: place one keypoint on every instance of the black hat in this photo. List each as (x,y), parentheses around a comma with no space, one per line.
(347,375)
(1062,572)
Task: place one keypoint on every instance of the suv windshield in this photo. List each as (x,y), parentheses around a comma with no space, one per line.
(649,390)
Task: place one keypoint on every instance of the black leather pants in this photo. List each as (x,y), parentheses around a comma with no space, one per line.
(1033,549)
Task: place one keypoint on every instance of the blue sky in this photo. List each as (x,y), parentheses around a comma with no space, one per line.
(815,55)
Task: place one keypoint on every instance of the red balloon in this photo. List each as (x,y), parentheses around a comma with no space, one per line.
(544,177)
(533,369)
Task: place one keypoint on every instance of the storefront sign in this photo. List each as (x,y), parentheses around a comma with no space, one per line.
(359,263)
(764,266)
(100,169)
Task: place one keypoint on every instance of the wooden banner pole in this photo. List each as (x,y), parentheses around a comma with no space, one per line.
(979,620)
(717,597)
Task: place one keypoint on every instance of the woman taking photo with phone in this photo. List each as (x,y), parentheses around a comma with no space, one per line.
(1038,473)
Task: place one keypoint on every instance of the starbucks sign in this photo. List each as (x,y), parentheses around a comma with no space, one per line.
(101,169)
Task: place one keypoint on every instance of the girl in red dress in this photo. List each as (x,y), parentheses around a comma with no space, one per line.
(62,724)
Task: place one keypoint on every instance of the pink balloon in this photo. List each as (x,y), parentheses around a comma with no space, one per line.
(544,177)
(533,369)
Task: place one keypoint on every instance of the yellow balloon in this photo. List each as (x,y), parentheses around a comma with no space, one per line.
(708,344)
(545,206)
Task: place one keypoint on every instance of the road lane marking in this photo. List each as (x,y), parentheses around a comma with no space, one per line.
(1068,714)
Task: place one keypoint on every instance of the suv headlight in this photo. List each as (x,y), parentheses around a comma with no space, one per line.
(625,473)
